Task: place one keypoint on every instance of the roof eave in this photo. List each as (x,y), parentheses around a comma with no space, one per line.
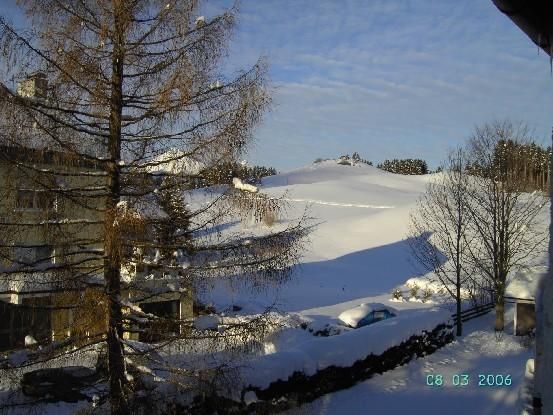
(535,18)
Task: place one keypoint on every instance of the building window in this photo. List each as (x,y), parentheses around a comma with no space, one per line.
(25,199)
(34,199)
(25,255)
(32,255)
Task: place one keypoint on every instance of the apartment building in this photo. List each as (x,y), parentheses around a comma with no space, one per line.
(52,212)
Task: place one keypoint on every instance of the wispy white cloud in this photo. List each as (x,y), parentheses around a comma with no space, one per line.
(388,78)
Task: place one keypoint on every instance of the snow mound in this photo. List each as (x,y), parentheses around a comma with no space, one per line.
(250,397)
(238,184)
(525,282)
(30,340)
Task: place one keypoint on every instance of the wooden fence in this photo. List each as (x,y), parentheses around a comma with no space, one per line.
(483,309)
(474,312)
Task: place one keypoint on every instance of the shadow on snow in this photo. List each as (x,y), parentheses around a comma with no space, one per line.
(371,272)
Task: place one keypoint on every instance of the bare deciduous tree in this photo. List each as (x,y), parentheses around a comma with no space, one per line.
(443,213)
(112,95)
(506,219)
(481,216)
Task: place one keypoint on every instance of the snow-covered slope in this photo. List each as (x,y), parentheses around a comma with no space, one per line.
(175,162)
(357,248)
(357,207)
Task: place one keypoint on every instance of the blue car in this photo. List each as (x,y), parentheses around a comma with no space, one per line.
(374,317)
(366,314)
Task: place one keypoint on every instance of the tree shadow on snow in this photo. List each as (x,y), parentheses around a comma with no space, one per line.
(371,272)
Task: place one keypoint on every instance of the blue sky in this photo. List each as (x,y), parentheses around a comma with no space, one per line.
(385,78)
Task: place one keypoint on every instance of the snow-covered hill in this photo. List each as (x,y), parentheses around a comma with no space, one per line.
(357,207)
(357,249)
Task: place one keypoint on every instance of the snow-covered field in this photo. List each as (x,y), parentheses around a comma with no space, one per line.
(357,251)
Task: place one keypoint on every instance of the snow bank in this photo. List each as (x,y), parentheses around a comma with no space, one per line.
(342,350)
(431,284)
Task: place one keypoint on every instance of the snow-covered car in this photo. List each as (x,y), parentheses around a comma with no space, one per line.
(365,314)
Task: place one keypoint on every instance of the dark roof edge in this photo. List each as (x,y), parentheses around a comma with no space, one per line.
(535,18)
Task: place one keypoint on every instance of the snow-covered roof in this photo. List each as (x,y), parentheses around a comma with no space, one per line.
(174,161)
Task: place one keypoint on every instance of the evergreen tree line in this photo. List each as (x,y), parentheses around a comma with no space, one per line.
(223,173)
(405,166)
(528,162)
(357,158)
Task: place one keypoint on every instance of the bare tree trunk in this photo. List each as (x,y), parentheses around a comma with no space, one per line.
(442,211)
(500,314)
(459,322)
(458,264)
(112,267)
(116,362)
